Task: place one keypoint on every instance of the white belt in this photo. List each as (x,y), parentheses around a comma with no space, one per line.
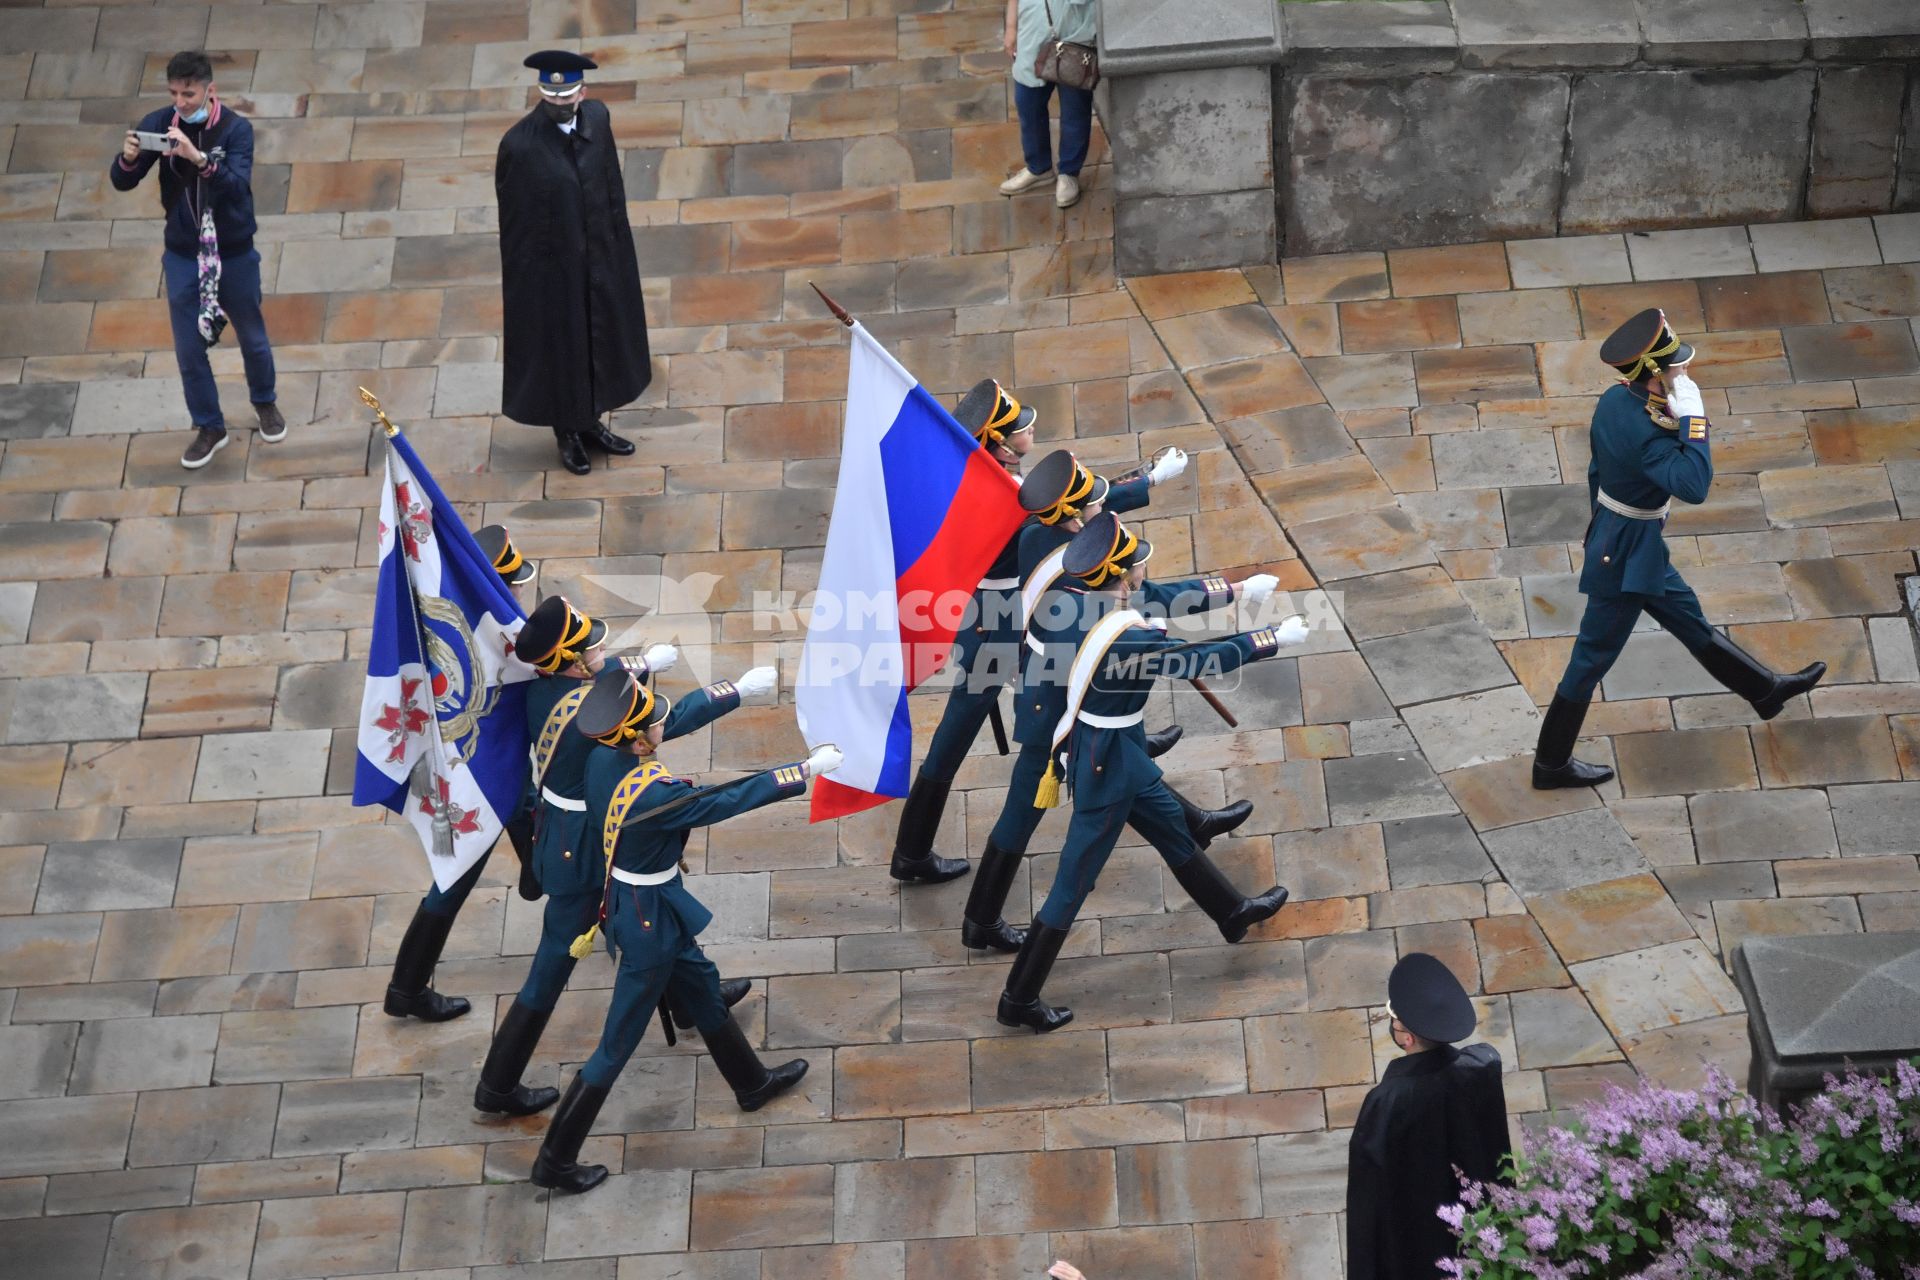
(1036,644)
(1113,722)
(561,802)
(1620,508)
(650,878)
(999,584)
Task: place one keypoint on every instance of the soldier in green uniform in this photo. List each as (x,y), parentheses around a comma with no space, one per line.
(652,921)
(1649,441)
(1114,783)
(564,847)
(1061,496)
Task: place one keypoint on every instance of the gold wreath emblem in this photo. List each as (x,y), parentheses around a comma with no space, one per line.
(459,715)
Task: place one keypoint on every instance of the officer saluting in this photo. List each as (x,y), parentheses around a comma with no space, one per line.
(1061,496)
(642,814)
(565,850)
(1436,1109)
(1114,783)
(1649,441)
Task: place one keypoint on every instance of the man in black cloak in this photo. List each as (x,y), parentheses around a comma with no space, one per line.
(576,327)
(1435,1109)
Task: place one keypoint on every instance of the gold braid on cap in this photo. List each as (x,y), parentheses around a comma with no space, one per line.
(640,701)
(1073,501)
(572,637)
(509,559)
(1006,412)
(1649,360)
(1124,545)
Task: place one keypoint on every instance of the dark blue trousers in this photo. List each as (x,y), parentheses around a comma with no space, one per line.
(1093,832)
(638,985)
(1019,819)
(240,299)
(567,916)
(1608,622)
(1076,126)
(447,902)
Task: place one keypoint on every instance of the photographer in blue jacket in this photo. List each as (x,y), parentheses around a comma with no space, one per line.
(204,151)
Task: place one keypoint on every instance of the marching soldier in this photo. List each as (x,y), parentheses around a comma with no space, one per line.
(986,654)
(1649,439)
(1435,1110)
(1114,783)
(409,991)
(1061,495)
(572,876)
(643,814)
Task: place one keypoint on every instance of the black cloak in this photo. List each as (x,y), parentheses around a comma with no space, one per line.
(575,323)
(1430,1112)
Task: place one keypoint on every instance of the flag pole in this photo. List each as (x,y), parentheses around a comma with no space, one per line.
(442,826)
(840,313)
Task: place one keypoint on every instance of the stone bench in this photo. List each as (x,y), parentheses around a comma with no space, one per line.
(1817,1004)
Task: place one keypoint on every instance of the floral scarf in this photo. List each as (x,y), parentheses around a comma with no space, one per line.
(212,319)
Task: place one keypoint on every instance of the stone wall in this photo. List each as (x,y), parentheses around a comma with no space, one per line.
(1242,129)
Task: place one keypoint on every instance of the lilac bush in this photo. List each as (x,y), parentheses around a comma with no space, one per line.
(1671,1184)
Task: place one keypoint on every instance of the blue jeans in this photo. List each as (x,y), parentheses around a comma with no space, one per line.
(1076,126)
(240,299)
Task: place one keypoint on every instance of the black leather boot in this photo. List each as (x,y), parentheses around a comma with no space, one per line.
(913,857)
(500,1091)
(598,437)
(1752,679)
(1210,889)
(732,992)
(1206,824)
(1553,762)
(409,993)
(1158,744)
(983,928)
(754,1086)
(573,454)
(558,1165)
(1020,1003)
(520,835)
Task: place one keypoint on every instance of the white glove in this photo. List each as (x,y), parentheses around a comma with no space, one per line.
(1291,632)
(758,680)
(824,759)
(1167,466)
(661,657)
(1156,622)
(1257,588)
(1683,397)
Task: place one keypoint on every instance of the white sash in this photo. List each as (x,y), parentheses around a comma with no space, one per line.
(1086,664)
(1045,574)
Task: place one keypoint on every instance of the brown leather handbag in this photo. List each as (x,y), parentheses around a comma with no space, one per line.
(1062,62)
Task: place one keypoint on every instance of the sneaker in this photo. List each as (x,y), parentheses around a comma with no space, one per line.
(1022,181)
(273,427)
(1066,191)
(206,443)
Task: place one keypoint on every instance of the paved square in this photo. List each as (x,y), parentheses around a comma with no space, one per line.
(196,926)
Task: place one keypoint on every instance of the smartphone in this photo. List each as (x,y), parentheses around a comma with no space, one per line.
(153,141)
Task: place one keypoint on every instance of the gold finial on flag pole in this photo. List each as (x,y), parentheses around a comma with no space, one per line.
(373,403)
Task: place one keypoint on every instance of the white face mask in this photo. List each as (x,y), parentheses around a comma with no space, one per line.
(198,117)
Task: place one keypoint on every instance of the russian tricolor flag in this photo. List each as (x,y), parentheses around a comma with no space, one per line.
(919,515)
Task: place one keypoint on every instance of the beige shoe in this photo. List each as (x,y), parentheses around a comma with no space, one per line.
(1066,191)
(1024,180)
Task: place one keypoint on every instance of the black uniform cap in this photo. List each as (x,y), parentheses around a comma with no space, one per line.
(991,414)
(618,708)
(560,70)
(1645,344)
(498,547)
(556,634)
(1104,550)
(1059,488)
(1429,1000)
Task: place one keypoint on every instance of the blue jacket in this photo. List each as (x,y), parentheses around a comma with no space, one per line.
(669,915)
(1110,766)
(1642,464)
(568,855)
(227,184)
